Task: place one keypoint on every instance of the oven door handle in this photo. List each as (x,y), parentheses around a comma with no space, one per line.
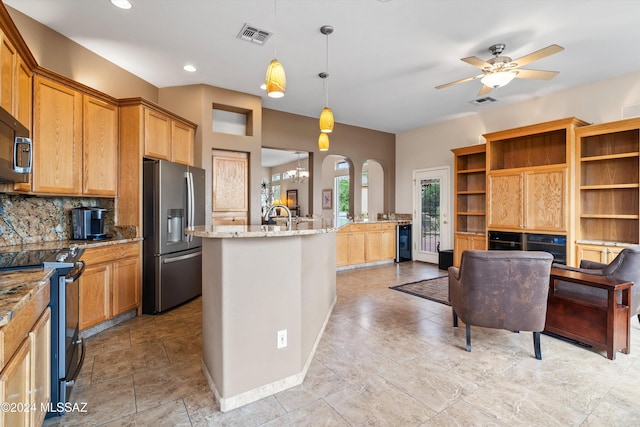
(75,272)
(68,381)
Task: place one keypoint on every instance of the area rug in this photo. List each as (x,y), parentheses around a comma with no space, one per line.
(436,289)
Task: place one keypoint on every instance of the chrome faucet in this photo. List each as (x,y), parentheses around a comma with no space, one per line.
(266,214)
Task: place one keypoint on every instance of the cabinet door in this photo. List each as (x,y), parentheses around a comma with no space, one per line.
(126,285)
(57,139)
(182,143)
(505,201)
(356,248)
(7,73)
(388,243)
(22,93)
(590,253)
(40,337)
(342,248)
(157,135)
(373,246)
(465,242)
(15,386)
(546,200)
(95,295)
(100,146)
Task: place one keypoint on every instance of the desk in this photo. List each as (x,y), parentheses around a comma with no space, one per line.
(604,324)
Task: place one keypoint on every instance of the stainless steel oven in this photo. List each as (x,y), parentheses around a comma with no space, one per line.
(67,350)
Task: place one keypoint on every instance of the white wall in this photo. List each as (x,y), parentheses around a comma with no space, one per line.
(430,146)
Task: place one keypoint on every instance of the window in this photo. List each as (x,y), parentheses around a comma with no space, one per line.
(275,177)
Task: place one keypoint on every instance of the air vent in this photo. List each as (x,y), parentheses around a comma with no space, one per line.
(253,34)
(483,101)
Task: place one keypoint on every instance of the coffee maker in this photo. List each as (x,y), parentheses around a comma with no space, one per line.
(88,223)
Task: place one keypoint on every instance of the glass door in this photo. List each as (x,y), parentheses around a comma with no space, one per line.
(431,225)
(341,200)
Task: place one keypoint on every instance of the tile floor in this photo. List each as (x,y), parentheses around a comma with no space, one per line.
(386,358)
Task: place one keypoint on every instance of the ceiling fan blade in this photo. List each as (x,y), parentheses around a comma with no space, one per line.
(476,62)
(536,74)
(485,90)
(539,54)
(468,79)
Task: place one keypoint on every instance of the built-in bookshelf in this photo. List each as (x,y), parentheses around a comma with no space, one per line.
(608,176)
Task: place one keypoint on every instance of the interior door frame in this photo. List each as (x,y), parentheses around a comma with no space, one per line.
(446,226)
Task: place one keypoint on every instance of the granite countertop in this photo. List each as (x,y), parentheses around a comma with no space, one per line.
(238,231)
(17,287)
(61,244)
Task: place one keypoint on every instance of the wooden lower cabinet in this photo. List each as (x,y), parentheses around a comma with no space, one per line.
(40,337)
(111,283)
(598,253)
(25,379)
(465,241)
(364,243)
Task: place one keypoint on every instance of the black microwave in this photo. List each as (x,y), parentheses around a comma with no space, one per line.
(16,154)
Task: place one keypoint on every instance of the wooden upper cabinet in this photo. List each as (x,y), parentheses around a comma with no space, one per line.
(182,141)
(100,147)
(7,73)
(157,135)
(57,138)
(23,93)
(505,200)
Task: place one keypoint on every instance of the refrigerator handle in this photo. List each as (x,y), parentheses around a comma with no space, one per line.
(190,203)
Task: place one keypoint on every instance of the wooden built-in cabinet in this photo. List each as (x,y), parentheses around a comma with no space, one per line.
(75,142)
(530,185)
(608,186)
(147,130)
(25,363)
(364,243)
(469,199)
(111,283)
(15,82)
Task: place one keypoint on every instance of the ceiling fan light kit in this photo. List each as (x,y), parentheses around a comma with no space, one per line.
(501,70)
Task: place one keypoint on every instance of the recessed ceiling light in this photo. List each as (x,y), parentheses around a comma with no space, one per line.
(190,68)
(122,4)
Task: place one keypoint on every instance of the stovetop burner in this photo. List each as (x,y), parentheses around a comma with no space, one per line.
(49,258)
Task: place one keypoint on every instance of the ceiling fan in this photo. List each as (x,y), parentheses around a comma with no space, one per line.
(500,70)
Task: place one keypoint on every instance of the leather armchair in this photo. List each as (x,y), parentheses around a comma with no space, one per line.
(626,266)
(501,290)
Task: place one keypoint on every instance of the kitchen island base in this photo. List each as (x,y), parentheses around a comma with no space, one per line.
(255,289)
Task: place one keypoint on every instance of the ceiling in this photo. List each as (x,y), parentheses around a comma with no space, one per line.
(385,57)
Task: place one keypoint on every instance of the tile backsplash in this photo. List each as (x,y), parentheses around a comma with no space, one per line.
(33,219)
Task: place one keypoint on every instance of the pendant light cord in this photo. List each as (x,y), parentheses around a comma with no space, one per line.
(324,81)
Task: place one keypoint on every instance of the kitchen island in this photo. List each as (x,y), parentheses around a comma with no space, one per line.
(267,294)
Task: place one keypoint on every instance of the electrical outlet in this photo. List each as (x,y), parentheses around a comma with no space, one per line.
(282,338)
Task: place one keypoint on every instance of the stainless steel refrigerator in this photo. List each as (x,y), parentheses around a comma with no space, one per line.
(173,199)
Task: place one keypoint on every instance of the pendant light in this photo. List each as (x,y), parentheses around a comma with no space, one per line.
(323,141)
(326,117)
(275,79)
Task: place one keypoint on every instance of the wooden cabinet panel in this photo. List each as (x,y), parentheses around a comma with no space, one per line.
(182,143)
(95,295)
(342,249)
(100,147)
(23,93)
(546,200)
(373,246)
(505,201)
(7,73)
(57,136)
(111,283)
(463,242)
(15,382)
(356,249)
(40,337)
(126,285)
(388,242)
(157,135)
(597,253)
